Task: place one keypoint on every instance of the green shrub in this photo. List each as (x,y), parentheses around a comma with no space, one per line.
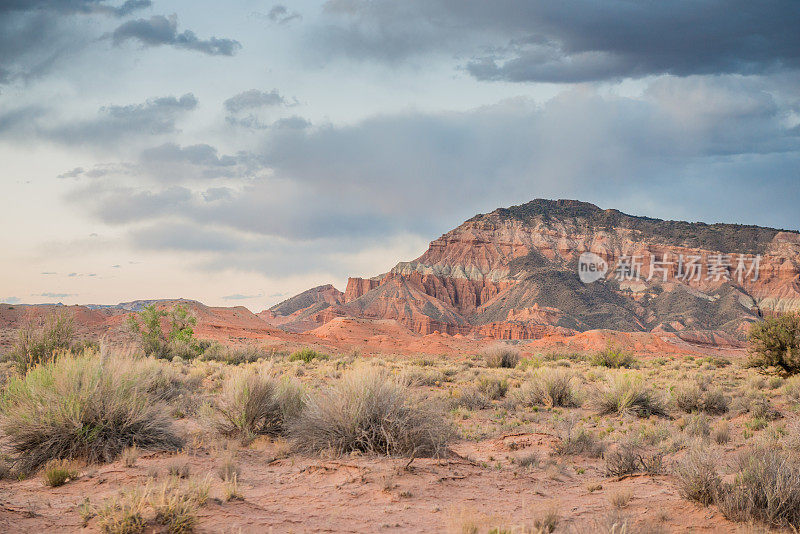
(42,344)
(626,394)
(82,407)
(307,355)
(179,341)
(367,410)
(613,358)
(255,403)
(500,355)
(232,355)
(775,343)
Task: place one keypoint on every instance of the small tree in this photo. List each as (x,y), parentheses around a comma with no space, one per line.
(154,342)
(775,343)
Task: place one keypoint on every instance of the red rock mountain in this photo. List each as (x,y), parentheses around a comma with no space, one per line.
(514,274)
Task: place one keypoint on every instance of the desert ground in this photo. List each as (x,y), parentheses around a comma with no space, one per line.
(508,437)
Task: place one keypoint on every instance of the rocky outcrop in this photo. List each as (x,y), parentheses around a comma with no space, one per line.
(514,274)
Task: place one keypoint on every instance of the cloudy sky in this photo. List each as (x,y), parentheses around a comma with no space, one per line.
(239,152)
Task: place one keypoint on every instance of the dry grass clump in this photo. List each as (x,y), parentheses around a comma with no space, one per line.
(625,394)
(548,387)
(253,402)
(582,442)
(58,472)
(766,488)
(369,411)
(613,358)
(123,515)
(620,498)
(697,476)
(696,397)
(172,505)
(471,399)
(494,388)
(500,355)
(85,407)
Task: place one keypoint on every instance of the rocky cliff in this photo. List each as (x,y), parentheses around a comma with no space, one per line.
(515,273)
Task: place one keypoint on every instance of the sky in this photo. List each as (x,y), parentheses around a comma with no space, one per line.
(240,152)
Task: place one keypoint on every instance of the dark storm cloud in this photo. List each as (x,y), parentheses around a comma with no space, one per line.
(37,35)
(74,6)
(153,117)
(160,30)
(572,40)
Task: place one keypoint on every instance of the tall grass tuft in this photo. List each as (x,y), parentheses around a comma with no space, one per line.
(253,402)
(500,355)
(85,406)
(370,411)
(625,394)
(548,387)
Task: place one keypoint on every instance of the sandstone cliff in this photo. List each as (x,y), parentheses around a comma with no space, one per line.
(513,274)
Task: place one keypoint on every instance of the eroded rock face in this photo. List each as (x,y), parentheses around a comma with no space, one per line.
(513,274)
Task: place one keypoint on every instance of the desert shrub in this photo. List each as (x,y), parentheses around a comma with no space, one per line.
(548,387)
(179,341)
(307,355)
(629,457)
(775,344)
(82,407)
(424,377)
(58,472)
(696,397)
(613,358)
(761,408)
(766,488)
(494,388)
(697,476)
(368,410)
(471,399)
(233,355)
(625,394)
(253,402)
(500,355)
(721,433)
(791,388)
(624,459)
(37,344)
(581,442)
(698,425)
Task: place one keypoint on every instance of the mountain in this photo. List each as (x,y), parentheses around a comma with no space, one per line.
(514,274)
